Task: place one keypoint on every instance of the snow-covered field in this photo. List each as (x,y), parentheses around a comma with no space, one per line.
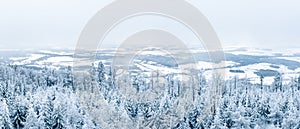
(61,60)
(26,60)
(251,61)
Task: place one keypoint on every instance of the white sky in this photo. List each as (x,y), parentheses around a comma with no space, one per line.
(40,24)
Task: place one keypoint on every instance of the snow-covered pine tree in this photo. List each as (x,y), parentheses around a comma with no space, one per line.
(5,121)
(19,117)
(59,119)
(31,119)
(68,78)
(101,80)
(47,111)
(278,82)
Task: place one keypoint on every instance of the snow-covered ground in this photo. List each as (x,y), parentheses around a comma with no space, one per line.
(60,60)
(232,68)
(26,60)
(238,50)
(293,58)
(56,52)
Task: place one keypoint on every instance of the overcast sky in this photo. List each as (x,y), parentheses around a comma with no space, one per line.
(40,24)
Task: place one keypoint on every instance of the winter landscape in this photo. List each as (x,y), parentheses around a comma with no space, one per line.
(39,90)
(149,64)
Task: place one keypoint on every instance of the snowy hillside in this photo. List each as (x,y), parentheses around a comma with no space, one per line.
(242,62)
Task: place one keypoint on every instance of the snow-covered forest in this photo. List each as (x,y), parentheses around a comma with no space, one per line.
(58,99)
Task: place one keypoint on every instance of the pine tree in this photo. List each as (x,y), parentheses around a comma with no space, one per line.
(31,120)
(19,117)
(298,83)
(5,122)
(278,82)
(47,112)
(218,124)
(101,76)
(111,79)
(59,120)
(68,79)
